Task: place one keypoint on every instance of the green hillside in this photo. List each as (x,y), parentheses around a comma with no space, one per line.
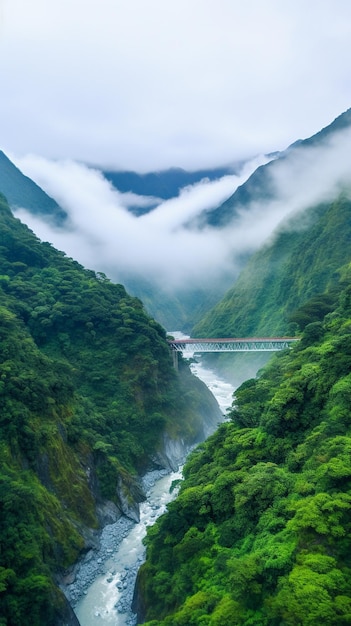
(260,532)
(298,263)
(87,394)
(21,191)
(260,185)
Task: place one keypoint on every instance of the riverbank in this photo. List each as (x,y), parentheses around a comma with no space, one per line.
(103,587)
(93,563)
(104,580)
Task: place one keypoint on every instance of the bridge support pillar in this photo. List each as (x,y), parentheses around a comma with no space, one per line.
(175,359)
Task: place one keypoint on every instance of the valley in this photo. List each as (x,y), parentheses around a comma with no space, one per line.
(91,402)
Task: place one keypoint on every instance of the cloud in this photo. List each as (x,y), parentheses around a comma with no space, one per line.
(149,85)
(103,235)
(304,178)
(160,246)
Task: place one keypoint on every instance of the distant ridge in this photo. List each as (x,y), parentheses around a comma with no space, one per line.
(165,184)
(259,186)
(21,191)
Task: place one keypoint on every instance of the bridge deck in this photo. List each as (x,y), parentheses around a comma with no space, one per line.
(232,344)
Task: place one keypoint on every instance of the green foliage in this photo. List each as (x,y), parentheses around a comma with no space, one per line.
(87,389)
(21,191)
(260,531)
(287,284)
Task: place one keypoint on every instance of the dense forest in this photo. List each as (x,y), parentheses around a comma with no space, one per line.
(260,532)
(88,394)
(299,264)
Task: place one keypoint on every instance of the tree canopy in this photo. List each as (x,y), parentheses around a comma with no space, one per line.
(87,391)
(260,532)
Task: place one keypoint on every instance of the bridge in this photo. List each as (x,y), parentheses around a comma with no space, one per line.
(232,344)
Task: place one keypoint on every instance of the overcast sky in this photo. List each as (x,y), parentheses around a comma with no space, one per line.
(149,84)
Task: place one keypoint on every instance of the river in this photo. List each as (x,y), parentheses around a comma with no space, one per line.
(105,579)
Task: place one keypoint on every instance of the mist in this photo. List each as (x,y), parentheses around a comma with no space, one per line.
(160,247)
(103,235)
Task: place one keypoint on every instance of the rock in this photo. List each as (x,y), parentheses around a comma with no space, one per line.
(107,513)
(172,453)
(130,495)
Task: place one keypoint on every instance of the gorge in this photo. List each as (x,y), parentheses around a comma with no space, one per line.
(108,600)
(90,402)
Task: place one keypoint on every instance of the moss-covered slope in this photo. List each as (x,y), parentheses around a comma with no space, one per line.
(260,533)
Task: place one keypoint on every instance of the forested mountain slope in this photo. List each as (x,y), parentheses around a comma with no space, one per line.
(22,192)
(88,395)
(298,263)
(261,186)
(260,532)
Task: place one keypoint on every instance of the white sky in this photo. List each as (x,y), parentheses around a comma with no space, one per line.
(149,84)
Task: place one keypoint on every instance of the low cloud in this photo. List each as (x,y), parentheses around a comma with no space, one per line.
(103,235)
(160,246)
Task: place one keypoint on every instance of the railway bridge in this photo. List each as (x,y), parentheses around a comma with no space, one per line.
(232,344)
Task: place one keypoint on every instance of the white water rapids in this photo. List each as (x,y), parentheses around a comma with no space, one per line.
(108,599)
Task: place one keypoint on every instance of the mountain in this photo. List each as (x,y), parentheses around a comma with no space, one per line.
(22,192)
(164,184)
(260,186)
(260,530)
(273,191)
(301,257)
(287,189)
(89,400)
(291,271)
(300,261)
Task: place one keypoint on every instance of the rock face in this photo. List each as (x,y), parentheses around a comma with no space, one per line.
(107,513)
(172,453)
(66,616)
(130,495)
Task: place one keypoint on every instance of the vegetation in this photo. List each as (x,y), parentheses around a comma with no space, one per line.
(297,266)
(260,532)
(260,186)
(300,263)
(21,191)
(87,389)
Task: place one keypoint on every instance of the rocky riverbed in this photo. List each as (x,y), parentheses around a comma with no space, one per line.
(102,586)
(107,567)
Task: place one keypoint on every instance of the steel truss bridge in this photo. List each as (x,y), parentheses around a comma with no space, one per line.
(250,344)
(247,344)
